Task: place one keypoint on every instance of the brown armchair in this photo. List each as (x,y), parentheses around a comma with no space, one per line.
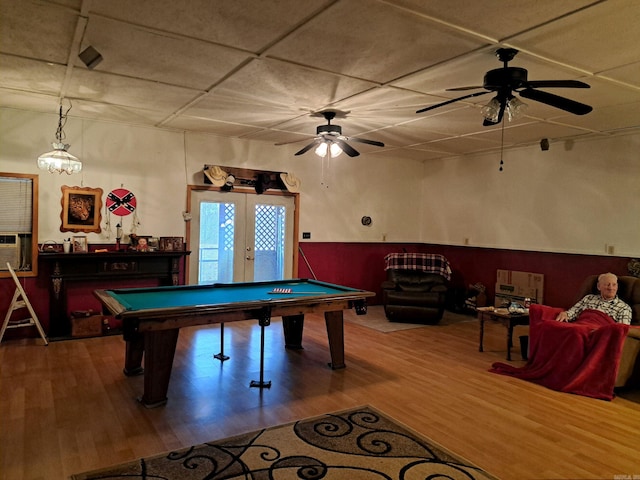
(629,292)
(415,290)
(414,297)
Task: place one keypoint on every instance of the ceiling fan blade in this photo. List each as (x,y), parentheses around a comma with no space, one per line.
(557,84)
(308,147)
(450,101)
(364,140)
(279,144)
(346,148)
(556,101)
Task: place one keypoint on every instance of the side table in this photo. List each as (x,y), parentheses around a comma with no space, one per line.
(507,319)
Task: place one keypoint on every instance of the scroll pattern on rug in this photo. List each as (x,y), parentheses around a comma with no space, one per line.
(357,444)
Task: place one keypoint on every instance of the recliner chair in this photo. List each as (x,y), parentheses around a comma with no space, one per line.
(414,296)
(629,292)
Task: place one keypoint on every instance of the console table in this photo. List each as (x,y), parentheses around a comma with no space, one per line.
(107,268)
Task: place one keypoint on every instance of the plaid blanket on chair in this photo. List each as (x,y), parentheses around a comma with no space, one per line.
(427,262)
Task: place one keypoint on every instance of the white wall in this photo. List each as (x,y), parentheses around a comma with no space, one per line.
(573,198)
(156,165)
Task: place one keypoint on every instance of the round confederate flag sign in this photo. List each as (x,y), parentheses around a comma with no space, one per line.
(121,202)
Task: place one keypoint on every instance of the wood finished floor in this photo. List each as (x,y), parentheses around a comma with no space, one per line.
(68,408)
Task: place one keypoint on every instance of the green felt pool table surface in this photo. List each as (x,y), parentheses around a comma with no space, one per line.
(139,299)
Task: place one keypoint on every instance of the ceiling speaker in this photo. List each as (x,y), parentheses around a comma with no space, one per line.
(544,144)
(90,57)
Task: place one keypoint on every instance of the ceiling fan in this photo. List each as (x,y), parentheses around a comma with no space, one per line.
(506,80)
(329,139)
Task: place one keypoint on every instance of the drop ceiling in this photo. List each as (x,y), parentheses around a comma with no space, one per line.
(259,70)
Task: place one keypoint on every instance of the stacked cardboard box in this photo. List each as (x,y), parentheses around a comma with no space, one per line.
(513,286)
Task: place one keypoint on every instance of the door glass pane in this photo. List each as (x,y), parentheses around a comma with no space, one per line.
(216,242)
(269,242)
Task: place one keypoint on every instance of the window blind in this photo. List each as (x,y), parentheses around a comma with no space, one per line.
(16,200)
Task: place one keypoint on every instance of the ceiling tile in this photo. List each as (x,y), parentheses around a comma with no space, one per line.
(31,76)
(244,24)
(262,70)
(595,39)
(400,43)
(123,91)
(273,82)
(176,60)
(480,17)
(37,30)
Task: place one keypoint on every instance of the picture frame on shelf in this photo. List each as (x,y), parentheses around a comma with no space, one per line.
(154,244)
(142,244)
(81,207)
(171,244)
(80,244)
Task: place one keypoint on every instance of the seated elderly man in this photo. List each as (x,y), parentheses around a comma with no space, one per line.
(577,350)
(607,302)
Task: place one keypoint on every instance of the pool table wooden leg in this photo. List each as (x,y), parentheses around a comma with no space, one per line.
(293,326)
(159,350)
(335,334)
(133,355)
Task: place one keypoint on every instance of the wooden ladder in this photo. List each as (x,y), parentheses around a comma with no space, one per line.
(21,301)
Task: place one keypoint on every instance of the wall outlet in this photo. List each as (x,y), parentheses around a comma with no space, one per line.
(611,249)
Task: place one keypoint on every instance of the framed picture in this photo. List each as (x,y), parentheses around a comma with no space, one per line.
(154,244)
(142,243)
(81,209)
(171,244)
(80,244)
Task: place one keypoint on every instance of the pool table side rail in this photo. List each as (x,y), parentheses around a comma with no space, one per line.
(291,283)
(277,305)
(234,315)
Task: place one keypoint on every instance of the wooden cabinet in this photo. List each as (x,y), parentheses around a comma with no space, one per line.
(109,269)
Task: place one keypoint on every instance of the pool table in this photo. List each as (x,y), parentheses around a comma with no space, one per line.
(152,318)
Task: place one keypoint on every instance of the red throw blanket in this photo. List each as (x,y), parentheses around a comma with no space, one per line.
(580,357)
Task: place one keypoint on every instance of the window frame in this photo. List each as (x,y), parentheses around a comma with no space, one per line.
(33,272)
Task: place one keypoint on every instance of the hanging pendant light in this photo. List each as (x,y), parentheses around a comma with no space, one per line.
(59,160)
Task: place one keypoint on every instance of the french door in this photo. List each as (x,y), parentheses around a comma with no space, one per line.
(240,237)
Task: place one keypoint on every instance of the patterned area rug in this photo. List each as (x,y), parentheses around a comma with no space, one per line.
(357,444)
(376,319)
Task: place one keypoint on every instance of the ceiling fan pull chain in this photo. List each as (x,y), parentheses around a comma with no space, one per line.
(502,146)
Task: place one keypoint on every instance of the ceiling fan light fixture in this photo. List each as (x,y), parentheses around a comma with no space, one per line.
(321,150)
(59,160)
(327,146)
(515,108)
(335,150)
(491,110)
